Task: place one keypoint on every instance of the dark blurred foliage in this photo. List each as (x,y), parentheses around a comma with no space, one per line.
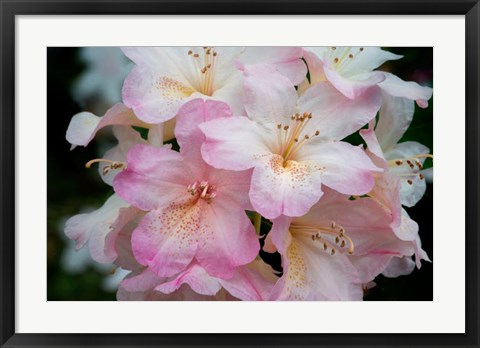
(72,187)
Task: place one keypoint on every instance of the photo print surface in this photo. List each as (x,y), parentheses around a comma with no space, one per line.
(240,173)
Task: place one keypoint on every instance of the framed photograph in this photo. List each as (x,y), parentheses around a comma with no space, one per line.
(239,174)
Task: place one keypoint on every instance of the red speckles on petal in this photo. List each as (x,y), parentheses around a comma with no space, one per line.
(180,220)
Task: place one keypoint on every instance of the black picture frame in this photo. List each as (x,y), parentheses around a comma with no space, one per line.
(11,8)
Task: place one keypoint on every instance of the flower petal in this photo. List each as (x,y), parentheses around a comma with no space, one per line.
(286,60)
(353,88)
(396,87)
(399,266)
(373,146)
(310,273)
(269,97)
(82,226)
(103,245)
(280,188)
(154,177)
(231,93)
(166,239)
(140,280)
(85,125)
(395,117)
(229,239)
(345,168)
(315,69)
(235,143)
(367,60)
(123,245)
(155,95)
(253,282)
(190,116)
(334,115)
(196,277)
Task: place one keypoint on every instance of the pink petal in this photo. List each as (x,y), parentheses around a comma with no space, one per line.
(268,95)
(286,60)
(353,88)
(190,116)
(408,229)
(103,248)
(334,115)
(231,93)
(166,239)
(395,117)
(141,280)
(279,235)
(369,266)
(123,246)
(228,239)
(234,143)
(154,177)
(81,227)
(253,282)
(345,168)
(399,266)
(396,87)
(387,192)
(289,189)
(315,68)
(373,146)
(232,184)
(196,277)
(85,125)
(155,95)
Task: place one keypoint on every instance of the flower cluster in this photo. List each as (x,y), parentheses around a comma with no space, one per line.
(261,162)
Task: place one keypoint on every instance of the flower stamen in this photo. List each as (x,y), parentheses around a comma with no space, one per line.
(205,67)
(325,236)
(291,137)
(203,190)
(106,169)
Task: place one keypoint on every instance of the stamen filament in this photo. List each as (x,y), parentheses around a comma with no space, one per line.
(100,160)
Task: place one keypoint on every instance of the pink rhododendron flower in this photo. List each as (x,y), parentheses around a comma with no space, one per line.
(194,211)
(336,247)
(164,78)
(292,143)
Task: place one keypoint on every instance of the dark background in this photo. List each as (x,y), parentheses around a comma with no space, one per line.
(71,187)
